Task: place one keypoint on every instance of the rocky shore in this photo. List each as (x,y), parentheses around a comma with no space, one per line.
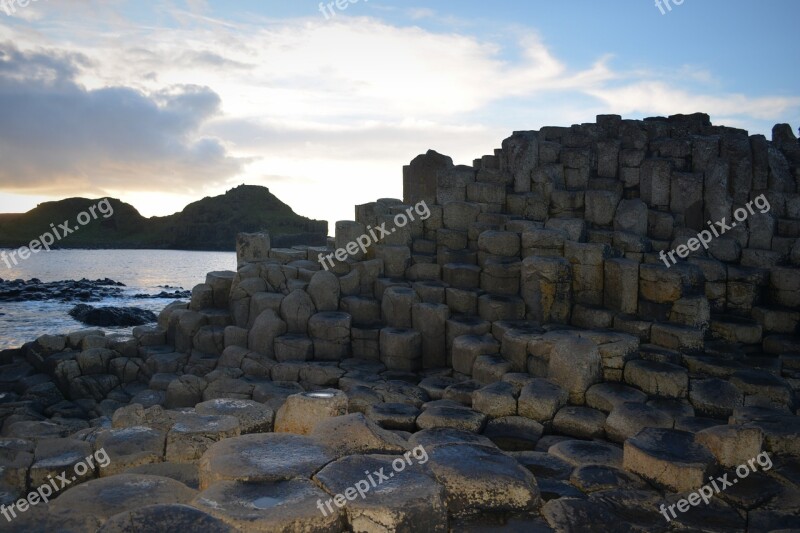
(523,352)
(83,290)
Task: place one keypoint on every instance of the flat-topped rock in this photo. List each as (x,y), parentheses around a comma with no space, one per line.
(580,422)
(301,412)
(408,499)
(628,418)
(429,438)
(606,396)
(478,480)
(108,496)
(165,518)
(668,458)
(514,433)
(54,456)
(715,397)
(495,400)
(731,445)
(130,447)
(658,379)
(284,505)
(543,464)
(186,473)
(262,457)
(578,514)
(541,399)
(191,435)
(356,434)
(16,457)
(582,452)
(451,417)
(393,415)
(593,478)
(253,416)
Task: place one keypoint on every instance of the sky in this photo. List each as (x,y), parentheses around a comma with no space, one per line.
(162,103)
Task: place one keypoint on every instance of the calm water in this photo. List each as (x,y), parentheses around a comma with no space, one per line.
(141,270)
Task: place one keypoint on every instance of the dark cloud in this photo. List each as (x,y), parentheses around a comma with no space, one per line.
(56,136)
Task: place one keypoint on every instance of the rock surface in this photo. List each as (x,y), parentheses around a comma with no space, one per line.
(520,360)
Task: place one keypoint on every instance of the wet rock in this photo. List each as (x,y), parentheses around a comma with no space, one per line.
(112,316)
(65,291)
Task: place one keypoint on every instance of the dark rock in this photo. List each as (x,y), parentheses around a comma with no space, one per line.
(65,290)
(166,519)
(112,316)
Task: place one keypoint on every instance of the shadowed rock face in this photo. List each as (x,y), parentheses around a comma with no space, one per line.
(112,316)
(516,356)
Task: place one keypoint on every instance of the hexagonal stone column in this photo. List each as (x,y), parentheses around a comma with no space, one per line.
(262,457)
(191,436)
(668,458)
(301,412)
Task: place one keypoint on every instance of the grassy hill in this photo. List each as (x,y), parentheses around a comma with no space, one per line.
(208,224)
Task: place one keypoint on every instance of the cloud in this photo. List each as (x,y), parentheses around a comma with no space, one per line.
(57,136)
(205,97)
(662,98)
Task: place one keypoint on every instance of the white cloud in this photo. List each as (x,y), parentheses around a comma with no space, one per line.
(336,107)
(662,98)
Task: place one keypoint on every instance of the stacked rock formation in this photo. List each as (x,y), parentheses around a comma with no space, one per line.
(524,332)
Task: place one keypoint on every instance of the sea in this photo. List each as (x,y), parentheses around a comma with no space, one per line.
(142,272)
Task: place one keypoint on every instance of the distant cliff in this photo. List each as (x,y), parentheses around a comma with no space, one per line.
(208,224)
